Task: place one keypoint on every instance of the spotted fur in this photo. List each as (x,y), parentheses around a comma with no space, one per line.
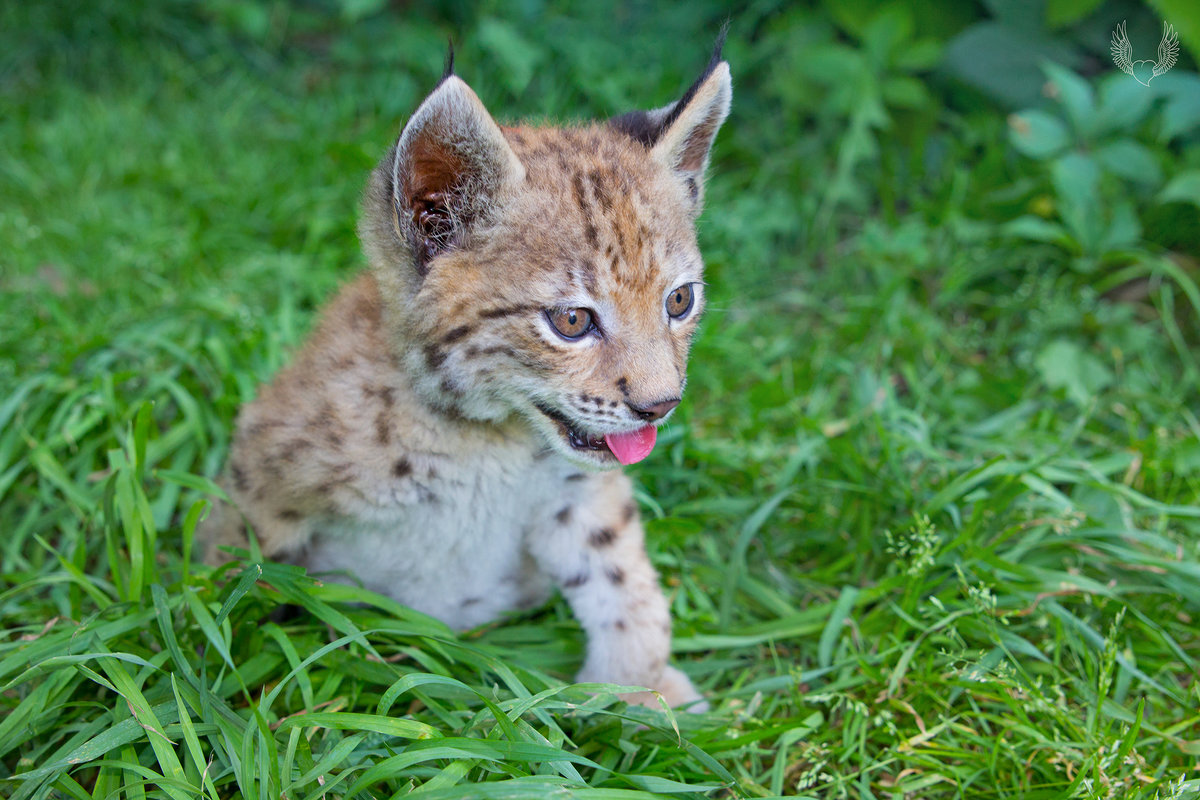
(421,439)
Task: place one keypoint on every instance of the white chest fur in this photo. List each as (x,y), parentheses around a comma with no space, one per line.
(449,538)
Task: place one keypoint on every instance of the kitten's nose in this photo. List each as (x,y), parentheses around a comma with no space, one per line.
(656,411)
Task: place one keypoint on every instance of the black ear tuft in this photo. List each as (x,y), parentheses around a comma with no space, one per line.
(647,126)
(641,126)
(448,69)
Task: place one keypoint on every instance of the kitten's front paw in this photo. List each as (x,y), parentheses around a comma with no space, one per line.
(676,689)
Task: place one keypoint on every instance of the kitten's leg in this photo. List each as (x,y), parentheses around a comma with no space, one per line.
(594,550)
(277,481)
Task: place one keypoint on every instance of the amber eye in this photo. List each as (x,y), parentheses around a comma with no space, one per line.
(679,301)
(571,323)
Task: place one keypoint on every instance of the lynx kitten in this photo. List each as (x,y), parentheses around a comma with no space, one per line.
(450,433)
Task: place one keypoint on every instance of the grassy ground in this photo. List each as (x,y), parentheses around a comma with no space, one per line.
(928,516)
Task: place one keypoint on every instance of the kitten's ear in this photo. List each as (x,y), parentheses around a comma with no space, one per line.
(680,135)
(451,163)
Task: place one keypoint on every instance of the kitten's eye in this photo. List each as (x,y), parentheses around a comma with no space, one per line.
(571,323)
(679,302)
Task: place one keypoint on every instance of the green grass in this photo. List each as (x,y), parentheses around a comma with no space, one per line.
(929,517)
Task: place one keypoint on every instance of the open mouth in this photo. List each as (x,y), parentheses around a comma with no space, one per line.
(578,439)
(628,448)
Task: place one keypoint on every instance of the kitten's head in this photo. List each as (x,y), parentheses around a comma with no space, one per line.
(550,272)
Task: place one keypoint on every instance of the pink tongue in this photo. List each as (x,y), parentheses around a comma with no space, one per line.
(630,448)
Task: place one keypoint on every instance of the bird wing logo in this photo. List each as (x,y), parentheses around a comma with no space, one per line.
(1144,70)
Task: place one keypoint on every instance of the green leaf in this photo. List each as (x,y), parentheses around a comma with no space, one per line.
(1124,229)
(1184,15)
(1076,179)
(902,91)
(919,56)
(1038,134)
(250,574)
(346,721)
(1131,161)
(1002,60)
(354,10)
(1075,94)
(1037,229)
(888,28)
(1060,13)
(837,621)
(1183,188)
(191,481)
(1123,104)
(1064,364)
(1181,114)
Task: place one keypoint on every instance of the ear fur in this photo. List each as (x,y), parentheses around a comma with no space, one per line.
(451,163)
(685,145)
(680,135)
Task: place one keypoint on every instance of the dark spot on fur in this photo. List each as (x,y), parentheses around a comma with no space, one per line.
(470,601)
(589,275)
(342,474)
(492,350)
(402,468)
(599,189)
(456,334)
(616,575)
(271,464)
(563,515)
(576,581)
(291,451)
(290,515)
(385,394)
(240,482)
(602,537)
(620,625)
(327,420)
(580,197)
(589,229)
(623,386)
(366,309)
(260,427)
(505,311)
(578,476)
(693,189)
(628,512)
(383,431)
(434,357)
